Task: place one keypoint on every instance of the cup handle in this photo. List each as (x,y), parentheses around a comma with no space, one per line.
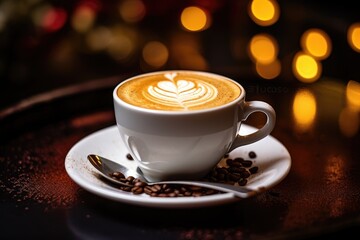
(249,108)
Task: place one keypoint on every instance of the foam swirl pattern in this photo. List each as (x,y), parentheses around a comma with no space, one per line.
(181,93)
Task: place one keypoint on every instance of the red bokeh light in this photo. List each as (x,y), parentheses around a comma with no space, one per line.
(54,19)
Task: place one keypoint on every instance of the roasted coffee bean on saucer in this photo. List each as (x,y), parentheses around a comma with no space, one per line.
(236,172)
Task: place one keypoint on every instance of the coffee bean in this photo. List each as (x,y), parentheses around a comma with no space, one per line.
(168,190)
(242,182)
(210,191)
(130,179)
(240,160)
(140,184)
(245,174)
(117,175)
(253,170)
(221,176)
(137,190)
(187,193)
(122,180)
(233,163)
(197,194)
(129,157)
(158,187)
(222,170)
(194,188)
(127,189)
(234,176)
(252,154)
(172,194)
(247,163)
(236,169)
(148,190)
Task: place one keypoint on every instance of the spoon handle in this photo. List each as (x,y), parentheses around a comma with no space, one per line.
(238,191)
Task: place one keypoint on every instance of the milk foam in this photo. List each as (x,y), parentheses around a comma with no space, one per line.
(181,93)
(178,91)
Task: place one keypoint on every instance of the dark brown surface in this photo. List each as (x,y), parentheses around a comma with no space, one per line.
(319,197)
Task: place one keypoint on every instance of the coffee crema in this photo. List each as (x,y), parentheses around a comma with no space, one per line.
(178,91)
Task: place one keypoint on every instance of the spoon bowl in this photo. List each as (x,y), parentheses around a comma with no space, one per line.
(106,167)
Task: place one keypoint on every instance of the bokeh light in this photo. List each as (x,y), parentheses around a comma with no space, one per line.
(264,12)
(132,10)
(353,94)
(99,38)
(83,18)
(38,14)
(353,36)
(263,48)
(123,43)
(195,19)
(155,54)
(306,68)
(349,122)
(316,43)
(304,109)
(52,19)
(270,70)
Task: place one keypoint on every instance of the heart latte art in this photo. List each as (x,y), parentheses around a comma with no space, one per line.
(181,93)
(178,91)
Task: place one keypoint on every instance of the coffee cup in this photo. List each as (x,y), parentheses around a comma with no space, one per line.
(179,124)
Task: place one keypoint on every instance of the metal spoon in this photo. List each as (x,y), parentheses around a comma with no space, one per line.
(107,167)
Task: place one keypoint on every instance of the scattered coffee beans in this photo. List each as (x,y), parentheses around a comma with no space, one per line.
(129,157)
(236,172)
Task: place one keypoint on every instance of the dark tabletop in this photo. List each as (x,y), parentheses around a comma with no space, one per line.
(58,105)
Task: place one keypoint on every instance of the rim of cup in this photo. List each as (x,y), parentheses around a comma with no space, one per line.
(169,112)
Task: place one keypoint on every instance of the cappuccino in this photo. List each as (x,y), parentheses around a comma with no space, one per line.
(178,91)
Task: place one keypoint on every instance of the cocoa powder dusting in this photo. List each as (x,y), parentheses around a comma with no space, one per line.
(35,171)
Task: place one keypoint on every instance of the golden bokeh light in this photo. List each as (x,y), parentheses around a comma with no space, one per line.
(99,38)
(263,48)
(264,12)
(121,47)
(349,122)
(304,109)
(132,10)
(353,94)
(306,68)
(353,36)
(155,54)
(83,18)
(195,19)
(123,43)
(270,70)
(316,43)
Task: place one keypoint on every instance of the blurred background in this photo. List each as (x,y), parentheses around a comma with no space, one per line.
(300,56)
(48,44)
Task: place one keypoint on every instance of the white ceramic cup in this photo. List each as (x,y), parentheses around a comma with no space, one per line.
(186,144)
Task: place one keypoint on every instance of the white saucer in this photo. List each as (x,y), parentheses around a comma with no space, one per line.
(273,160)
